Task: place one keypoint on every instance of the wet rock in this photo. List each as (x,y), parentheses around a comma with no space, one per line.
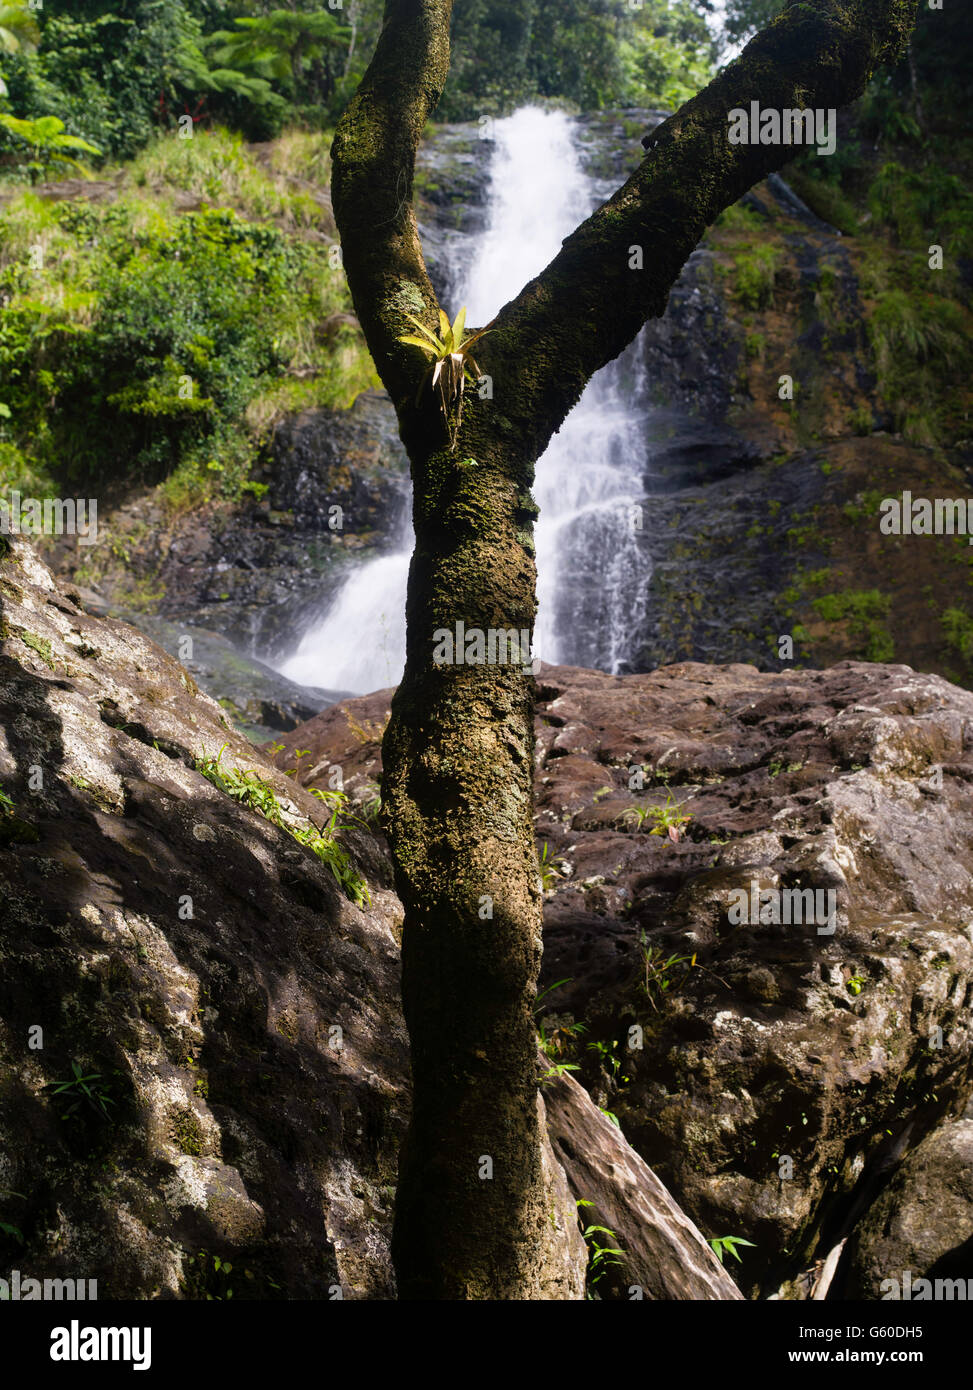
(451,186)
(258,700)
(258,574)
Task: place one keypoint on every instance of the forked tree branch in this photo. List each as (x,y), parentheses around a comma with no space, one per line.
(373,159)
(588,304)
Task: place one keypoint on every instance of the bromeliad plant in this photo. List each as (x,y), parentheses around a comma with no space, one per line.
(665,820)
(452,361)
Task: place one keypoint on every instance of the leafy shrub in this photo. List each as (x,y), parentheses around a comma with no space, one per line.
(958,631)
(910,202)
(149,345)
(863,610)
(920,346)
(755,271)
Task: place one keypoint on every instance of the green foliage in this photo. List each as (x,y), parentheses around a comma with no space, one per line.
(156,345)
(251,790)
(206,1277)
(548,989)
(601,1257)
(755,271)
(117,70)
(453,364)
(556,1038)
(586,53)
(921,328)
(278,45)
(728,1244)
(659,972)
(899,182)
(18,27)
(48,144)
(824,195)
(923,205)
(89,1090)
(608,1056)
(863,610)
(921,348)
(664,820)
(558,1069)
(958,631)
(549,871)
(371,805)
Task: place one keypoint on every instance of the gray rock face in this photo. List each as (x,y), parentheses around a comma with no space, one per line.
(240,1012)
(921,1225)
(781,1075)
(258,700)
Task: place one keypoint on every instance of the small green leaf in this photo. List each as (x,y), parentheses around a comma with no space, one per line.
(413,341)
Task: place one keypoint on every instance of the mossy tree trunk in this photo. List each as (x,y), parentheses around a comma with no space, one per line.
(474,1218)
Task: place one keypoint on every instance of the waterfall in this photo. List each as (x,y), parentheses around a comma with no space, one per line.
(592,574)
(360,643)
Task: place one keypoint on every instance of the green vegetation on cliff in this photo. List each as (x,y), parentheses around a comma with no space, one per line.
(157,335)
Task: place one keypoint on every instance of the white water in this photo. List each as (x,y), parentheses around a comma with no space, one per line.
(360,644)
(592,574)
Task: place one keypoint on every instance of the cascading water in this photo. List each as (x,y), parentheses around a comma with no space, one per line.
(592,571)
(360,644)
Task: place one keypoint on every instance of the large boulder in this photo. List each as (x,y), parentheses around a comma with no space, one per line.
(240,1012)
(771,1074)
(921,1227)
(781,1069)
